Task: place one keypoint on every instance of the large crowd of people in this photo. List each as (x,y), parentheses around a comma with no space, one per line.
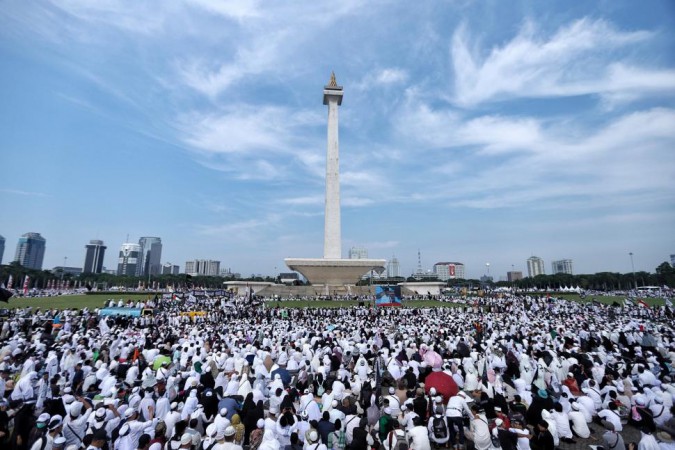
(509,372)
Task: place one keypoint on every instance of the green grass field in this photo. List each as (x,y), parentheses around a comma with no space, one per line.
(96,301)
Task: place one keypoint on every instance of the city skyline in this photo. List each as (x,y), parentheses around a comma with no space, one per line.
(355,251)
(475,131)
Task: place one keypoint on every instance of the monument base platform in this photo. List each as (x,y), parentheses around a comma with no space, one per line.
(334,272)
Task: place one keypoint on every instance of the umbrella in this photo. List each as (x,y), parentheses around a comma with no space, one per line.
(285,376)
(159,360)
(433,359)
(445,385)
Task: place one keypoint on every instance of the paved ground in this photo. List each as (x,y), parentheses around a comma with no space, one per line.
(629,434)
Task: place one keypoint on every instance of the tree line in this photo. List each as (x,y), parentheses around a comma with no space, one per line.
(664,275)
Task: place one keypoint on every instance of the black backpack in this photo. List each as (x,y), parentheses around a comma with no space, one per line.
(440,428)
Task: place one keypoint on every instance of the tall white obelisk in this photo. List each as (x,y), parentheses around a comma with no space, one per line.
(332,271)
(332,241)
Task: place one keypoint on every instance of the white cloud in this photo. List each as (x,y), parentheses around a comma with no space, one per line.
(246,128)
(497,161)
(573,61)
(25,193)
(234,9)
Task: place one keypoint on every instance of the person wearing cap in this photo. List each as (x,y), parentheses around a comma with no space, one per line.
(508,440)
(226,440)
(335,412)
(38,435)
(185,441)
(394,402)
(384,424)
(312,441)
(256,436)
(59,443)
(479,429)
(55,427)
(457,408)
(439,431)
(137,427)
(572,384)
(611,438)
(76,422)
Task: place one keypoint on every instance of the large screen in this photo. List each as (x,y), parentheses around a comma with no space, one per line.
(387,295)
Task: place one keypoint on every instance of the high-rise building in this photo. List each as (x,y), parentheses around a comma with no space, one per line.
(170,269)
(672,259)
(30,251)
(2,249)
(535,266)
(393,268)
(562,266)
(75,271)
(93,258)
(151,255)
(449,270)
(204,267)
(358,253)
(129,259)
(514,276)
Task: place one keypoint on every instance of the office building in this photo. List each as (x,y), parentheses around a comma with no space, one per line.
(562,266)
(129,259)
(358,253)
(202,267)
(93,257)
(514,276)
(535,266)
(74,271)
(393,268)
(151,255)
(2,248)
(30,251)
(449,270)
(170,269)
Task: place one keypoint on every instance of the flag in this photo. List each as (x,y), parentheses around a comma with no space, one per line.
(643,304)
(5,295)
(627,302)
(669,304)
(26,282)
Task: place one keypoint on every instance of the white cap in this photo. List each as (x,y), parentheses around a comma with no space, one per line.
(313,436)
(229,431)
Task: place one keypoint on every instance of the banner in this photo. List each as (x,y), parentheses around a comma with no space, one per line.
(387,295)
(26,282)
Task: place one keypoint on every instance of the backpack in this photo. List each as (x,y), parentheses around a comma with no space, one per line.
(440,428)
(401,441)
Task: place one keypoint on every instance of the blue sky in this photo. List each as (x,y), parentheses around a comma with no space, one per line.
(476,131)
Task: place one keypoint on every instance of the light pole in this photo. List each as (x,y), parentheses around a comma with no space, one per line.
(633,268)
